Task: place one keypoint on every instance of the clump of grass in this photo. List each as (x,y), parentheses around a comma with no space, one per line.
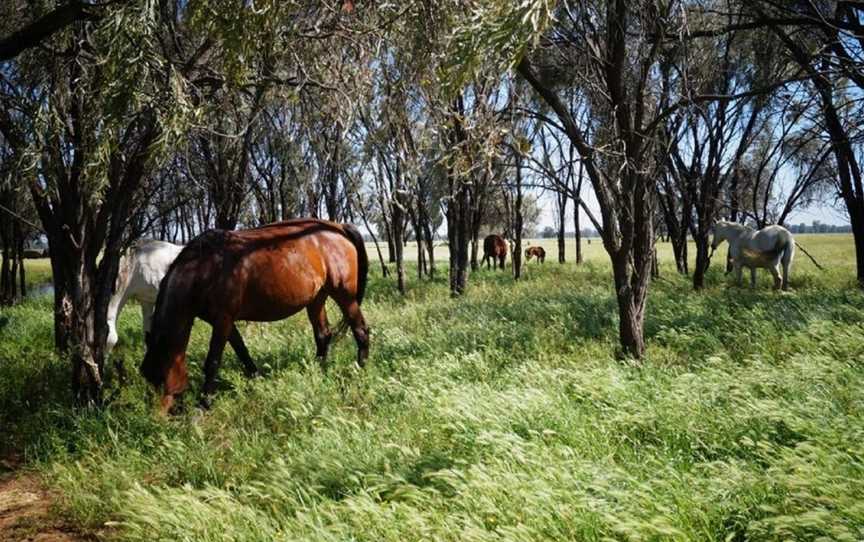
(501,415)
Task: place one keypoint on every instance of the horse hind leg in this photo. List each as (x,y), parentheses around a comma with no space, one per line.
(354,317)
(239,347)
(321,329)
(778,282)
(787,262)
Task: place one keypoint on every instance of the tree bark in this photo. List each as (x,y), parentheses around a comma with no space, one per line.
(562,217)
(517,222)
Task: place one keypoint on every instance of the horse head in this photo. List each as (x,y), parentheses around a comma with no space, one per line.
(724,231)
(153,366)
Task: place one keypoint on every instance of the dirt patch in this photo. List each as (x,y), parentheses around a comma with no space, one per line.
(25,510)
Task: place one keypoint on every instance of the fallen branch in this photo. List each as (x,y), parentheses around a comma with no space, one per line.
(812,259)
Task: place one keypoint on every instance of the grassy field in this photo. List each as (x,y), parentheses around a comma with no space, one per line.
(503,415)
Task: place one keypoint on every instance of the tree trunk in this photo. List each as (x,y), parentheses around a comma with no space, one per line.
(577,232)
(391,250)
(679,250)
(398,245)
(475,235)
(517,223)
(562,216)
(631,290)
(459,207)
(75,316)
(858,234)
(702,260)
(460,280)
(430,247)
(577,199)
(655,265)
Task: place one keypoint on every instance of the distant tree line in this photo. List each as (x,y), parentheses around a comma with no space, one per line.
(818,227)
(552,233)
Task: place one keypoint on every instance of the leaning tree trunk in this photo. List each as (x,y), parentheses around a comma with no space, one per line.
(577,199)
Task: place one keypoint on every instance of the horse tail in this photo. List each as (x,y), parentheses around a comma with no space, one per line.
(788,251)
(356,239)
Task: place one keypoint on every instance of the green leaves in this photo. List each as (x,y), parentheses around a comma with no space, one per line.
(493,37)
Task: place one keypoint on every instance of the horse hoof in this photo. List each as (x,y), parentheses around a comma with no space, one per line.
(206,402)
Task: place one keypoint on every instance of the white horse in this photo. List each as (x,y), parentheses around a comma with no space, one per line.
(767,248)
(141,271)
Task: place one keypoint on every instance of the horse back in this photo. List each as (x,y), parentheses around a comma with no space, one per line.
(267,273)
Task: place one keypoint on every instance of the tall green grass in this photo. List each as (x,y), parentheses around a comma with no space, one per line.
(503,415)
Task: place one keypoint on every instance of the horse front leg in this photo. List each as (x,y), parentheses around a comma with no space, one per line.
(321,329)
(114,308)
(753,277)
(146,318)
(221,331)
(738,278)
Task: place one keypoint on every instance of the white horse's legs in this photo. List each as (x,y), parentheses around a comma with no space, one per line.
(786,260)
(776,274)
(114,309)
(112,337)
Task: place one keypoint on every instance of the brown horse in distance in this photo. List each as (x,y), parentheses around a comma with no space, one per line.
(264,274)
(494,249)
(537,252)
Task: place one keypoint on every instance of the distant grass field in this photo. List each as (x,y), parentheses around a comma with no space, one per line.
(503,415)
(36,271)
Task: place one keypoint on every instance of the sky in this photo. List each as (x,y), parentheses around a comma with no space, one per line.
(827,214)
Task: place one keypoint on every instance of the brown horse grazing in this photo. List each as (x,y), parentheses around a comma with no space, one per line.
(494,249)
(539,252)
(262,275)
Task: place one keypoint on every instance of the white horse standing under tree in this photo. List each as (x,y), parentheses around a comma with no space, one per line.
(141,271)
(768,248)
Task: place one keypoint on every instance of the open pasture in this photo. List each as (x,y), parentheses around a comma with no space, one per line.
(503,415)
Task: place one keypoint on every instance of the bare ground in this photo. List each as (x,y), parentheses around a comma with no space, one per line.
(25,509)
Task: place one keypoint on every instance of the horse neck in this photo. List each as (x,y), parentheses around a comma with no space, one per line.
(734,232)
